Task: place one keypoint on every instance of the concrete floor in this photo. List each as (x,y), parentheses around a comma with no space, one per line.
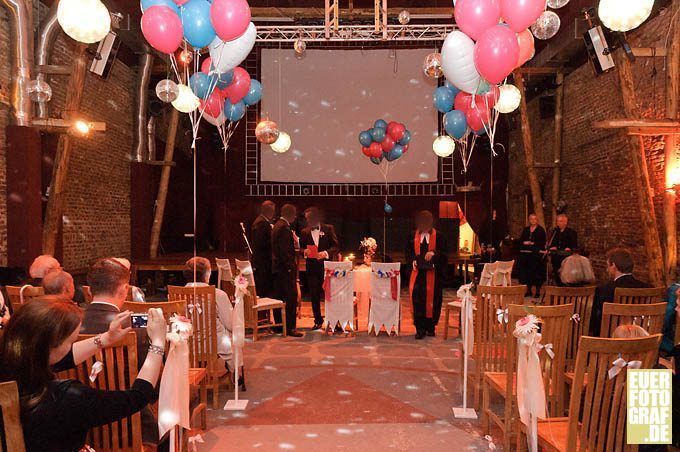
(350,393)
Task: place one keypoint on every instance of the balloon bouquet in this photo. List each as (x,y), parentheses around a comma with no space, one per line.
(494,39)
(219,90)
(385,143)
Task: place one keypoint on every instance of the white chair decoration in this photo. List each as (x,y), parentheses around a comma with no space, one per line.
(339,289)
(224,273)
(385,307)
(488,272)
(503,274)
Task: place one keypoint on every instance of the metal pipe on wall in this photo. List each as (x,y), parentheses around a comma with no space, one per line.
(49,30)
(21,54)
(140,121)
(151,138)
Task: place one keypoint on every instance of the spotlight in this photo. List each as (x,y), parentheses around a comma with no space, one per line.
(443,146)
(81,127)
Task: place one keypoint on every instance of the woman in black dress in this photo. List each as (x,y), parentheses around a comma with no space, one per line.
(531,263)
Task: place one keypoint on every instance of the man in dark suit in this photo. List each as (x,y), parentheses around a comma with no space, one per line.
(620,269)
(426,253)
(284,266)
(562,242)
(261,241)
(318,243)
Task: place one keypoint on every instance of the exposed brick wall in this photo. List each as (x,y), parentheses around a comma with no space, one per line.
(97,209)
(596,180)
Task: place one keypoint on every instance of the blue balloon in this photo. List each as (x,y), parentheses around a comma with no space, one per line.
(406,139)
(365,138)
(146,4)
(254,93)
(455,124)
(380,123)
(443,99)
(234,112)
(200,84)
(198,30)
(387,208)
(377,160)
(395,153)
(378,134)
(452,87)
(483,87)
(480,132)
(224,79)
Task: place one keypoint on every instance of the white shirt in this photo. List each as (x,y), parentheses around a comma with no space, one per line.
(425,237)
(316,233)
(105,302)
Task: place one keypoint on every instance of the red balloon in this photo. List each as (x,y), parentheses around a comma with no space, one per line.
(239,86)
(525,40)
(162,28)
(205,65)
(496,53)
(213,104)
(462,101)
(397,132)
(475,16)
(490,97)
(376,150)
(390,126)
(477,117)
(520,14)
(387,144)
(366,150)
(404,148)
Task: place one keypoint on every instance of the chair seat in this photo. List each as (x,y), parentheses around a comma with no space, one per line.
(267,303)
(554,432)
(197,375)
(499,382)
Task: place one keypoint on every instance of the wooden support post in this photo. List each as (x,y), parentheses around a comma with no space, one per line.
(163,184)
(55,202)
(670,148)
(636,148)
(557,145)
(529,151)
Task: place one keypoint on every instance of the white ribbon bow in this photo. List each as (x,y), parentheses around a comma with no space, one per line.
(467,307)
(502,315)
(196,306)
(97,367)
(548,349)
(619,364)
(193,440)
(576,318)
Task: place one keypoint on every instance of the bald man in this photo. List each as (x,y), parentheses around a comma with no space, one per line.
(59,282)
(41,266)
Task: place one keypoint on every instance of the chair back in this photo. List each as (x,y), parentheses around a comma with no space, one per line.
(246,269)
(648,316)
(597,410)
(339,301)
(489,269)
(491,327)
(385,300)
(554,331)
(645,295)
(12,434)
(503,274)
(582,298)
(19,295)
(168,307)
(225,277)
(203,343)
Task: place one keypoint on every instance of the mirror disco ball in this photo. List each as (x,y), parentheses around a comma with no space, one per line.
(267,131)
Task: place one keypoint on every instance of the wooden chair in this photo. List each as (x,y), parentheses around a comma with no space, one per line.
(597,410)
(650,295)
(19,295)
(503,274)
(554,331)
(168,307)
(490,334)
(648,316)
(488,272)
(203,343)
(451,306)
(582,298)
(12,434)
(253,304)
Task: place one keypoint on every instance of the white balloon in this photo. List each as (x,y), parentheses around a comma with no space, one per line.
(221,119)
(227,55)
(458,62)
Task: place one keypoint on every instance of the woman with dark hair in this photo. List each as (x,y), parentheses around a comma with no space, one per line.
(40,339)
(531,265)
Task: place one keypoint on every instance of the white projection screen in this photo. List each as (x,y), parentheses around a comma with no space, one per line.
(325,99)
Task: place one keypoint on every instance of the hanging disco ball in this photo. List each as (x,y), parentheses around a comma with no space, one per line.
(267,132)
(404,17)
(300,46)
(186,56)
(282,143)
(167,90)
(432,66)
(547,25)
(39,91)
(557,4)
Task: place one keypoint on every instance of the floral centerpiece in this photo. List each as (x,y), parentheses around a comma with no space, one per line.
(368,246)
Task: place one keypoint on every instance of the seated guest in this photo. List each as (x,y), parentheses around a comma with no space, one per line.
(629,332)
(41,266)
(200,267)
(576,271)
(620,269)
(56,415)
(59,282)
(137,295)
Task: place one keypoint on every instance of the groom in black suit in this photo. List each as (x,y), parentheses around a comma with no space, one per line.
(318,243)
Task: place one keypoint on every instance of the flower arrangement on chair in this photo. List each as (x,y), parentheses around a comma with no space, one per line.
(368,246)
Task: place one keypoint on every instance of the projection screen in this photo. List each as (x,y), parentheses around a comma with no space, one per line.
(325,99)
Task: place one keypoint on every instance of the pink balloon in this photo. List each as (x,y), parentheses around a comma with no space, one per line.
(213,104)
(520,14)
(475,16)
(489,98)
(181,2)
(239,86)
(162,28)
(462,101)
(496,53)
(230,18)
(205,65)
(525,40)
(477,117)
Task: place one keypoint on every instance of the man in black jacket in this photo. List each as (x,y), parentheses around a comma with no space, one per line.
(284,266)
(261,240)
(620,269)
(561,243)
(319,243)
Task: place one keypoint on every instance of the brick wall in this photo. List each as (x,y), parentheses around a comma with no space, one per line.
(596,180)
(97,210)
